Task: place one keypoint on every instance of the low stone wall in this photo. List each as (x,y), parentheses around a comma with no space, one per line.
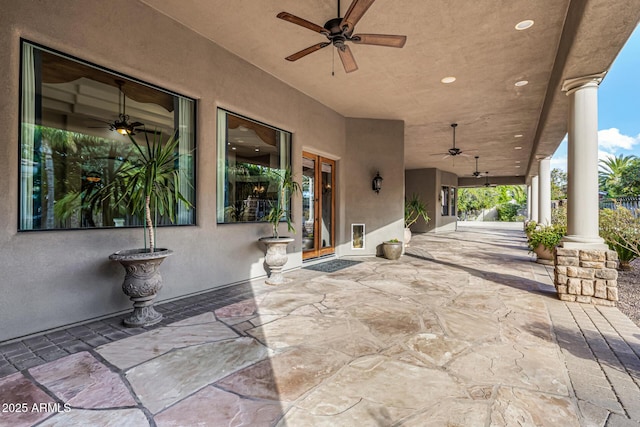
(587,276)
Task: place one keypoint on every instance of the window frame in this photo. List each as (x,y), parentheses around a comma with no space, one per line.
(445,200)
(221,173)
(115,74)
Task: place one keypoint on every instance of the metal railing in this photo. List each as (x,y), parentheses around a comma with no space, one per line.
(632,203)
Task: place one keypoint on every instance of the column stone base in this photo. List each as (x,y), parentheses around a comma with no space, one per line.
(586,275)
(584,242)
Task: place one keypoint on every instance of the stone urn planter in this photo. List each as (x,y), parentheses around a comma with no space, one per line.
(392,249)
(142,281)
(276,258)
(544,255)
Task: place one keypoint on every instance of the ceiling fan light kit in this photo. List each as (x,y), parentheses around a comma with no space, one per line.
(122,125)
(340,30)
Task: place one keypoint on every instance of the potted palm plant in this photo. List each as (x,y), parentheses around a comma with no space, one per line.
(276,256)
(414,209)
(148,182)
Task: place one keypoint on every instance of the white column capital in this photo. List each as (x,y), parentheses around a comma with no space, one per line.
(571,85)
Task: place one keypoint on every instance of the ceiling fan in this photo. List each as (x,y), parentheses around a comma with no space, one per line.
(477,173)
(338,31)
(453,151)
(486,181)
(122,124)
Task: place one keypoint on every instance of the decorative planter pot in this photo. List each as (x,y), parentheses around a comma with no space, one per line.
(392,250)
(142,281)
(544,255)
(276,258)
(407,236)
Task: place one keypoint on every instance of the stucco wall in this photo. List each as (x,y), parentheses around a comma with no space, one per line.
(49,279)
(374,146)
(427,183)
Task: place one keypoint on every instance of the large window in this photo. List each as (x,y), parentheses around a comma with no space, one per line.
(448,200)
(251,157)
(77,121)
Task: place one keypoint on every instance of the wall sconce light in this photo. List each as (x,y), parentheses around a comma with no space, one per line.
(376,184)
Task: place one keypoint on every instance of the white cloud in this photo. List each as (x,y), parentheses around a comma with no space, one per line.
(559,163)
(605,155)
(610,140)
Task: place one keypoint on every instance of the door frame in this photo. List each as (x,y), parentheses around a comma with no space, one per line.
(319,251)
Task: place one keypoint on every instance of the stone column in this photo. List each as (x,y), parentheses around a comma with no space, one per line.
(585,270)
(534,199)
(544,192)
(582,165)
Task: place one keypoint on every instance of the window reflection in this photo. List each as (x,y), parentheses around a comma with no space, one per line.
(251,158)
(76,124)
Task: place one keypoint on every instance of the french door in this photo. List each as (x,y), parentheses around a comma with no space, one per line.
(318,206)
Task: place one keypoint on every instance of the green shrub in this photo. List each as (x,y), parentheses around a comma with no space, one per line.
(620,229)
(530,226)
(507,211)
(559,216)
(548,236)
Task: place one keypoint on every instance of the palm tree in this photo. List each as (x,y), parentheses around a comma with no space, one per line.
(53,140)
(148,182)
(610,174)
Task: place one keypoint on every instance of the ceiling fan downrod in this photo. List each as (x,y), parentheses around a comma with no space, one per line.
(454,126)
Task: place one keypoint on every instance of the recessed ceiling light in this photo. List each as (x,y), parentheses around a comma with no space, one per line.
(517,166)
(257,149)
(523,25)
(517,161)
(517,148)
(233,148)
(449,79)
(522,83)
(518,135)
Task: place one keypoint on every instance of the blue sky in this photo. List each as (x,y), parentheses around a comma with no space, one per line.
(618,107)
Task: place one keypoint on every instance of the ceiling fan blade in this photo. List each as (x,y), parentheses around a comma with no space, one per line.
(348,61)
(157,132)
(302,22)
(136,124)
(355,12)
(387,40)
(307,51)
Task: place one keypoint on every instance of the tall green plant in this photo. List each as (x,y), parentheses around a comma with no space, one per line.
(148,181)
(287,187)
(613,175)
(414,209)
(621,231)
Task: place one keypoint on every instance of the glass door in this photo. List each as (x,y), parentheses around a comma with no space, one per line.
(318,206)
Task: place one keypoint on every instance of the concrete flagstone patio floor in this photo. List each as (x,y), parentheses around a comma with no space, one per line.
(463,330)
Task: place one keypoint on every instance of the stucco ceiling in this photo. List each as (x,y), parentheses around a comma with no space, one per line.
(475,41)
